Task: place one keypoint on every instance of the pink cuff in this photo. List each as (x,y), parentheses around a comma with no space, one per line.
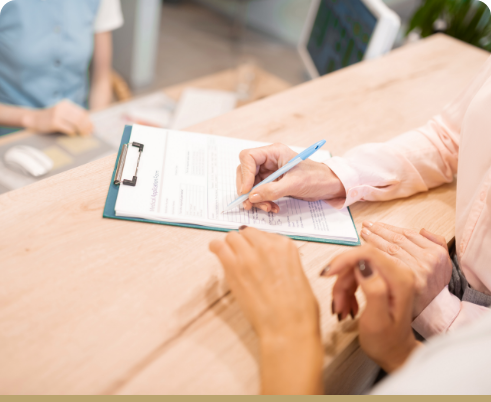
(469,312)
(350,180)
(439,315)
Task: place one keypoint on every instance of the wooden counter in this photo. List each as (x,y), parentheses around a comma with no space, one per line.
(92,305)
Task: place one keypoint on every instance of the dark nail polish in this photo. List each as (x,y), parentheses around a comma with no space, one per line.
(243,227)
(332,306)
(365,269)
(325,270)
(352,314)
(340,317)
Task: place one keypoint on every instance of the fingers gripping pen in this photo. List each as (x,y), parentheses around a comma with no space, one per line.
(290,165)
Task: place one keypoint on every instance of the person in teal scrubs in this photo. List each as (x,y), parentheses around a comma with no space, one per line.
(55,63)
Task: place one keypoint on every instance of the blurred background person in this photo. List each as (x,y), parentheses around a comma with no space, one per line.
(46,49)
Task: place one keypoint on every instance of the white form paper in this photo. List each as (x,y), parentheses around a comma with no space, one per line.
(189,178)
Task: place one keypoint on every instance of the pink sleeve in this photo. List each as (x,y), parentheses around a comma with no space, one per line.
(446,312)
(410,163)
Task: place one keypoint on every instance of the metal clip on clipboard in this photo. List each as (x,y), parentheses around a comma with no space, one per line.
(121,162)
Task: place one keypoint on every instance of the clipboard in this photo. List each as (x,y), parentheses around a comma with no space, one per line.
(112,195)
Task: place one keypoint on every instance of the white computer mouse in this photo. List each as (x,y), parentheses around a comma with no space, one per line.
(28,160)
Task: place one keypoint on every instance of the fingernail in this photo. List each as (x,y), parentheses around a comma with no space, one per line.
(243,227)
(365,269)
(332,307)
(255,199)
(368,223)
(339,317)
(352,314)
(365,232)
(325,270)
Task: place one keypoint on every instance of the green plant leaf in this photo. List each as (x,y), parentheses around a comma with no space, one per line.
(475,30)
(467,20)
(426,15)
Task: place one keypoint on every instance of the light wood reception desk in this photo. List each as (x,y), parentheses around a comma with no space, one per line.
(92,305)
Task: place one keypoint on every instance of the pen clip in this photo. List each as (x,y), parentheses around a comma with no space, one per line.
(311,150)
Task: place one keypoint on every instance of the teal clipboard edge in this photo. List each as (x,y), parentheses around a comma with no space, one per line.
(112,195)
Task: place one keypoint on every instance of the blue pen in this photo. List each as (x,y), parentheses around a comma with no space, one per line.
(290,165)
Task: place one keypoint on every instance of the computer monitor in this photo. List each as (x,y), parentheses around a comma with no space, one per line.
(339,33)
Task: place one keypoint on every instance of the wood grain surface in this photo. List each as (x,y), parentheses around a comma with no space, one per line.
(92,305)
(263,84)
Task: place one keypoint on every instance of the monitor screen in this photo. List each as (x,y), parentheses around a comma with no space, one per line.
(340,35)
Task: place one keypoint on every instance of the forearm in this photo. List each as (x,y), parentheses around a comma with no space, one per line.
(14,116)
(100,93)
(291,366)
(409,164)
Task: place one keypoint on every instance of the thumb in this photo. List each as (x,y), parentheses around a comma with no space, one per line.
(377,312)
(270,192)
(440,240)
(248,169)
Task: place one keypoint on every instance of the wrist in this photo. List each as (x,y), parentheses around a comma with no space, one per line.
(398,360)
(291,365)
(28,118)
(332,183)
(299,345)
(305,331)
(282,342)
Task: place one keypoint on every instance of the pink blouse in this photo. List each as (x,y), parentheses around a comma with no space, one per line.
(459,139)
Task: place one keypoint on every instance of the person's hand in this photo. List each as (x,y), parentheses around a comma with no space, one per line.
(265,275)
(65,117)
(424,252)
(385,324)
(309,180)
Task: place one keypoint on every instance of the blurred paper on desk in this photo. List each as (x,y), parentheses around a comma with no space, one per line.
(153,110)
(246,79)
(198,105)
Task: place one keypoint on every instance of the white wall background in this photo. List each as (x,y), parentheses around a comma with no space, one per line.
(136,43)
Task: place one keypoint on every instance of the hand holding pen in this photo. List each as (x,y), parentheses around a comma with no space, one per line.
(309,180)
